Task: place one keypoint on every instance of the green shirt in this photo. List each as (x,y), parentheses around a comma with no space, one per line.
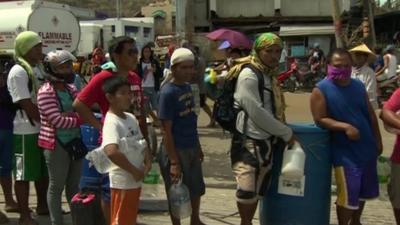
(66,134)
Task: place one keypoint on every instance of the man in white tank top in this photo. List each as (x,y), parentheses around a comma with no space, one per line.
(390,64)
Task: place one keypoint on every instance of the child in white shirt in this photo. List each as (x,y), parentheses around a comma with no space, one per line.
(125,182)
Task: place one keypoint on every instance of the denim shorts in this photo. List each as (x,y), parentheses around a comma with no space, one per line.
(192,175)
(6,152)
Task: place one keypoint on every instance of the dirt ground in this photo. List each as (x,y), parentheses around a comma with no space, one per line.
(216,143)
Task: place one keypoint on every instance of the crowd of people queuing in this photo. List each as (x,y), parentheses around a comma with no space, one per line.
(47,109)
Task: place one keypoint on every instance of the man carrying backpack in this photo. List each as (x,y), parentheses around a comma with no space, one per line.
(29,165)
(260,122)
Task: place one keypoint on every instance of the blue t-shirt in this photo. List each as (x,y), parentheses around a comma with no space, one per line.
(349,104)
(177,104)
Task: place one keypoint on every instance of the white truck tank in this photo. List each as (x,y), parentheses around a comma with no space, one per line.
(55,23)
(93,35)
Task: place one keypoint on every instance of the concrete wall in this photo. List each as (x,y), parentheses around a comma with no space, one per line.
(246,8)
(254,8)
(200,13)
(163,26)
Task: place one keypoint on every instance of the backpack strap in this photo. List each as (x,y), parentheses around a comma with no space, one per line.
(261,86)
(260,78)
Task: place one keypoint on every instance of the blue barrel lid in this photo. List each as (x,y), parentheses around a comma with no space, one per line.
(306,128)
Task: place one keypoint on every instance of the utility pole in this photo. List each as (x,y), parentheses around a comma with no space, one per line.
(370,14)
(118,6)
(189,20)
(180,18)
(337,23)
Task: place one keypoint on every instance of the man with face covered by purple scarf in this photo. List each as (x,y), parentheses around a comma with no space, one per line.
(340,104)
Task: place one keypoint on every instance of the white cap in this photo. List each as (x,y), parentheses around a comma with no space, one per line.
(181,55)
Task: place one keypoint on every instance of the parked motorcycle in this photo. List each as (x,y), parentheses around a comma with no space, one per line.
(299,76)
(387,87)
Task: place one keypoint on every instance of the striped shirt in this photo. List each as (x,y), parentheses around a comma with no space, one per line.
(51,116)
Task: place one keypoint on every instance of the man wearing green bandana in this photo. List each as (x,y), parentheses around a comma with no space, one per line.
(29,160)
(263,122)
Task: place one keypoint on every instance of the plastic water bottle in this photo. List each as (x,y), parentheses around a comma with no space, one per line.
(383,167)
(153,177)
(180,201)
(150,187)
(293,162)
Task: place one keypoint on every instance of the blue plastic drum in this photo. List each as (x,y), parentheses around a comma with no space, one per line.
(90,178)
(306,202)
(89,134)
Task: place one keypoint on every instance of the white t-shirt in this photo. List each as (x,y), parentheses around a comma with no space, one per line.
(17,83)
(148,77)
(114,129)
(367,76)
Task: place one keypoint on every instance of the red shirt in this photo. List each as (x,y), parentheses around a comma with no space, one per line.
(93,92)
(393,104)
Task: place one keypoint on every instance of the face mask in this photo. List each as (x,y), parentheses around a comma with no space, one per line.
(69,78)
(335,73)
(63,78)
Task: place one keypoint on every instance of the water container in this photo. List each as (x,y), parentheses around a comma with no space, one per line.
(180,201)
(90,135)
(153,177)
(305,201)
(90,177)
(294,159)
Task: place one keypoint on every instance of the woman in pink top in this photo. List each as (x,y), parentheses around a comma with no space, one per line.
(59,125)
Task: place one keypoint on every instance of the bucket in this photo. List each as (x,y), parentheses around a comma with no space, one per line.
(306,200)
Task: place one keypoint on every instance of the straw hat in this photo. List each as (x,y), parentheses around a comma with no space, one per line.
(364,49)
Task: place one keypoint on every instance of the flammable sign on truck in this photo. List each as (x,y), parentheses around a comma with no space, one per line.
(55,23)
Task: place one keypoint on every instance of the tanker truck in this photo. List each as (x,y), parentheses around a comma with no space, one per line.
(55,24)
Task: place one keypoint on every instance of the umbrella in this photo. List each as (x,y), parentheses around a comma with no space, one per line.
(235,38)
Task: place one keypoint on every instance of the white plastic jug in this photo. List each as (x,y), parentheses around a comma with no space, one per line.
(180,201)
(293,162)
